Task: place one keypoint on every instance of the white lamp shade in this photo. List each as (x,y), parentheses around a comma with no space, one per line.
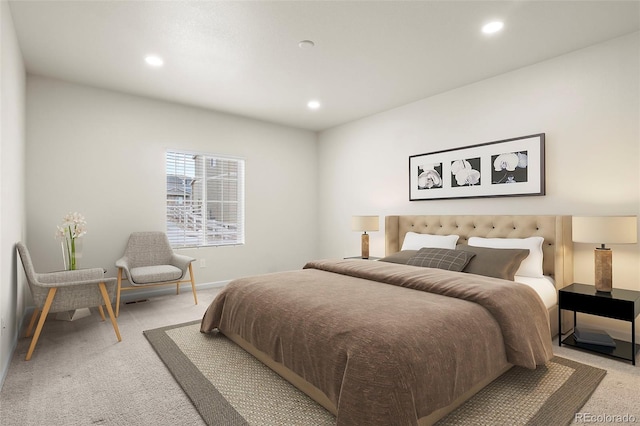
(605,229)
(365,223)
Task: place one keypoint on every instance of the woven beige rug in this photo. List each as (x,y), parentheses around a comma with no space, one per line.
(228,386)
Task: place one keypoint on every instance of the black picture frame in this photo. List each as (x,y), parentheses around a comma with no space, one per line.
(505,168)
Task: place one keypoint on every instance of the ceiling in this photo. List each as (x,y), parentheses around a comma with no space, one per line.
(243,57)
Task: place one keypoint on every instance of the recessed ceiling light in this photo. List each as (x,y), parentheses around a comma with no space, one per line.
(492,27)
(313,104)
(306,44)
(154,61)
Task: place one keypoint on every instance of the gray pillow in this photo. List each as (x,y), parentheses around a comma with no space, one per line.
(399,257)
(492,262)
(441,258)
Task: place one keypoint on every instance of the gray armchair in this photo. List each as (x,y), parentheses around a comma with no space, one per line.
(150,261)
(65,291)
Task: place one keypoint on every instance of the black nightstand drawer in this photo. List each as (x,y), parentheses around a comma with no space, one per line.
(602,306)
(363,258)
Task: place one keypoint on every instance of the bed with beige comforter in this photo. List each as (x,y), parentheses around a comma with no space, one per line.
(387,344)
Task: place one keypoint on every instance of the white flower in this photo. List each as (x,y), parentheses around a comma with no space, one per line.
(464,173)
(508,161)
(458,165)
(467,177)
(428,179)
(60,232)
(73,226)
(522,160)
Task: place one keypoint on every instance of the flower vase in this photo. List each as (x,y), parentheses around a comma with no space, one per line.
(72,253)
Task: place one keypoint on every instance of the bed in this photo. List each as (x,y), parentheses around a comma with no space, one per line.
(382,343)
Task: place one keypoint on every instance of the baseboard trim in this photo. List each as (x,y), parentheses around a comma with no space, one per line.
(5,367)
(142,293)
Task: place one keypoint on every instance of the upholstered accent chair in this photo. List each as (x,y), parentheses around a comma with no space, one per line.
(149,261)
(65,291)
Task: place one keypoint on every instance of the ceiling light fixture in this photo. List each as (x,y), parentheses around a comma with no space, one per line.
(306,44)
(313,104)
(154,61)
(492,27)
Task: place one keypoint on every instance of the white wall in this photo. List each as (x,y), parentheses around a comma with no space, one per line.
(101,153)
(12,223)
(586,102)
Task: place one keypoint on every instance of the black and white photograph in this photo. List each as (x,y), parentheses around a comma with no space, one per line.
(465,172)
(503,168)
(430,176)
(509,167)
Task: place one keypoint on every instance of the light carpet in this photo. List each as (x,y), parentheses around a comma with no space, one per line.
(229,386)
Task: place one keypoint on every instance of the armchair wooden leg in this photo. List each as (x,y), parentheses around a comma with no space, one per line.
(193,284)
(101,312)
(107,302)
(43,318)
(118,292)
(178,287)
(32,322)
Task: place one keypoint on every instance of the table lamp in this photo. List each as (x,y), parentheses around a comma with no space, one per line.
(364,224)
(604,230)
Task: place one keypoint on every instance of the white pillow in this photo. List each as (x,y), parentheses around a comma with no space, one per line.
(414,241)
(531,266)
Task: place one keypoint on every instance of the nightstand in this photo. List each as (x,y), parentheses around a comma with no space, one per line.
(360,257)
(619,304)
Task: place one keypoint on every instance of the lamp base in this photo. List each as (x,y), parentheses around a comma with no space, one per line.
(365,246)
(603,262)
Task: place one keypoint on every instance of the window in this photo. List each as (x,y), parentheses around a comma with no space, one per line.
(205,199)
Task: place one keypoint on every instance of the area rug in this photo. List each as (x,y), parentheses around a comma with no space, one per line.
(228,386)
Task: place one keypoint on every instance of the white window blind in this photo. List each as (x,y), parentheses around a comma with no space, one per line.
(205,199)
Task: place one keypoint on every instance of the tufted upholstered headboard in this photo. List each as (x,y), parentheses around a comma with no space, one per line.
(556,231)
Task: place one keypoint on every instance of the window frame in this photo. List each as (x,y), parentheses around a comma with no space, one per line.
(188,199)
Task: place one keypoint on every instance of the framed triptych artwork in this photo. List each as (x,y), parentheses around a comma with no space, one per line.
(510,167)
